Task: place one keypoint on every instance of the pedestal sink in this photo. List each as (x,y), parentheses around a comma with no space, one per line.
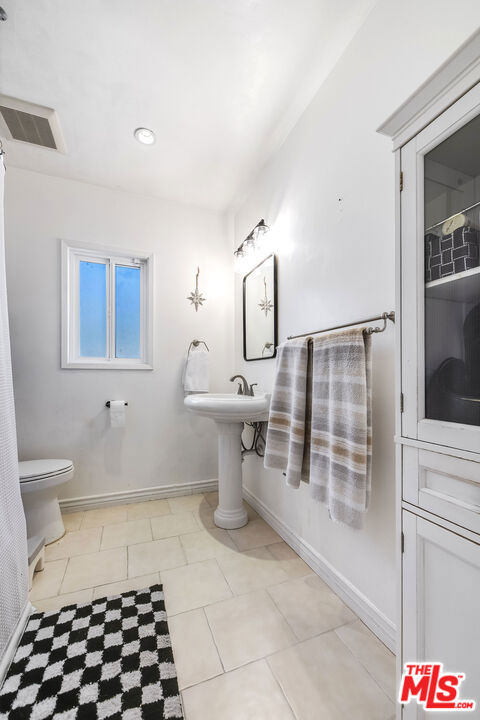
(229,412)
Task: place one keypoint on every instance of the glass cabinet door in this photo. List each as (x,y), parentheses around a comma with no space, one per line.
(440,278)
(452,277)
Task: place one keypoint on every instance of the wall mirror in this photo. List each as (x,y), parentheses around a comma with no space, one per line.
(260,311)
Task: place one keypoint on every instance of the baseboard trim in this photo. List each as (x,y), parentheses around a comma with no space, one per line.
(141,495)
(378,623)
(14,641)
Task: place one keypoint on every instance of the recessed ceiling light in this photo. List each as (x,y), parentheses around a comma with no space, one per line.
(145,136)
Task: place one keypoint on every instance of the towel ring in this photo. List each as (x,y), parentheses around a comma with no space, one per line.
(196,343)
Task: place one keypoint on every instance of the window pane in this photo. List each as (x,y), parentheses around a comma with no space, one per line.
(127,312)
(93,323)
(452,278)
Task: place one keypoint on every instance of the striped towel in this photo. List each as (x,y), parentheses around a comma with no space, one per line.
(320,424)
(285,447)
(341,432)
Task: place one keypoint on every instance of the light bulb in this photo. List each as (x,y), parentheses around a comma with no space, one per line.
(144,136)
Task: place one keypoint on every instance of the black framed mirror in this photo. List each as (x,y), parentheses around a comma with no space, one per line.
(260,311)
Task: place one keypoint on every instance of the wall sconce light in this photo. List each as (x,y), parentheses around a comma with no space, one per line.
(251,242)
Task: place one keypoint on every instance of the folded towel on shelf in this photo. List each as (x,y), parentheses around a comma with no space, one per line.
(341,424)
(195,373)
(285,447)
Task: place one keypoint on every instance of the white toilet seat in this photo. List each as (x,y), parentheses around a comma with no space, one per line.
(41,469)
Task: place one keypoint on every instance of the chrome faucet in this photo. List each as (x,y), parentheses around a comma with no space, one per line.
(246,389)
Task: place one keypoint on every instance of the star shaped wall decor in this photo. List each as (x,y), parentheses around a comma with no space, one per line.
(196,297)
(265,304)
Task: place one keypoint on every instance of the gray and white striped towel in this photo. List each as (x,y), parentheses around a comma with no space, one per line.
(341,432)
(285,447)
(320,427)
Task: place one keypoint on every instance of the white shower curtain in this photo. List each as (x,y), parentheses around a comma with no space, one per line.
(13,535)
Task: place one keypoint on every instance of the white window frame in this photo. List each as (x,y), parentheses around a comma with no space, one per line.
(72,254)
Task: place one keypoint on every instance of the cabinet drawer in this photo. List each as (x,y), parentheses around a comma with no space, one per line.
(444,485)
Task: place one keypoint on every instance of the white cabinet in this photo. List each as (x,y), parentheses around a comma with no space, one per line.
(440,280)
(441,591)
(436,136)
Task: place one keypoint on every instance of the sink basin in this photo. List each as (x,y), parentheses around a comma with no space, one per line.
(229,412)
(226,407)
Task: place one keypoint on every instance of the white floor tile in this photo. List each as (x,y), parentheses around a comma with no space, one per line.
(59,601)
(196,657)
(249,693)
(255,534)
(207,544)
(212,498)
(248,628)
(130,532)
(46,583)
(322,679)
(193,586)
(136,583)
(174,524)
(76,542)
(72,521)
(187,503)
(87,571)
(293,565)
(251,570)
(204,516)
(156,555)
(372,653)
(104,516)
(310,607)
(148,509)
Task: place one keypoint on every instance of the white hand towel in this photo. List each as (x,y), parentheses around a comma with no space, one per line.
(195,374)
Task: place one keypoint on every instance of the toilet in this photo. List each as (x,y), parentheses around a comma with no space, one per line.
(40,484)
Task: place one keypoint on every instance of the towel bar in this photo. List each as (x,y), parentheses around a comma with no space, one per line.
(384,316)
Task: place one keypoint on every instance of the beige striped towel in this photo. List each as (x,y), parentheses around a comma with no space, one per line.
(341,429)
(285,447)
(320,424)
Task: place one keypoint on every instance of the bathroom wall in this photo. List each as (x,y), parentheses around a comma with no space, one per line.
(328,195)
(61,413)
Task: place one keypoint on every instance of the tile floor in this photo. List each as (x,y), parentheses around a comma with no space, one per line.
(255,633)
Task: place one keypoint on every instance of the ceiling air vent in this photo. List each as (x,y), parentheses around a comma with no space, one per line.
(29,123)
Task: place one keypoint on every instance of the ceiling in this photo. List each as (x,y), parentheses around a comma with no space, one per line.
(221,82)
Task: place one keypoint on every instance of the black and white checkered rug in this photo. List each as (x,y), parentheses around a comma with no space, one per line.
(111,658)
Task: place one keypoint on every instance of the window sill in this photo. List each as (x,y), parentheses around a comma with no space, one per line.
(107,365)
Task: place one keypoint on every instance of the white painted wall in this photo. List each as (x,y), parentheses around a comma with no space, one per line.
(328,195)
(61,413)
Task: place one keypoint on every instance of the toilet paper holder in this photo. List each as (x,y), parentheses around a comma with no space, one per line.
(107,404)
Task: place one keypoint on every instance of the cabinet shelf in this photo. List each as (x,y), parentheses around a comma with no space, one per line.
(462,287)
(450,217)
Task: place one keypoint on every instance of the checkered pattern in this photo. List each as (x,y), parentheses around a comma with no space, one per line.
(108,659)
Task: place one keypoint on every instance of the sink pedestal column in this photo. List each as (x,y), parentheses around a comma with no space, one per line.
(230,512)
